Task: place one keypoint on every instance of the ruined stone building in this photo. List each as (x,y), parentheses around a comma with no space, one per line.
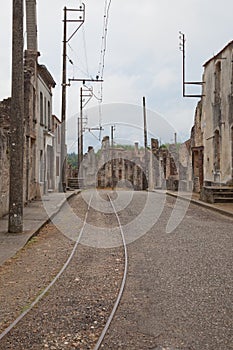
(130,168)
(205,162)
(164,166)
(114,167)
(41,128)
(197,150)
(4,156)
(119,167)
(217,118)
(212,133)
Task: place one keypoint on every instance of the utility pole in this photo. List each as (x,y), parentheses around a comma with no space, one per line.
(80,135)
(62,183)
(145,138)
(84,93)
(15,222)
(80,20)
(112,155)
(80,151)
(112,135)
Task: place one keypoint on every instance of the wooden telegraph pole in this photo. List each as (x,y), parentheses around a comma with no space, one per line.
(15,222)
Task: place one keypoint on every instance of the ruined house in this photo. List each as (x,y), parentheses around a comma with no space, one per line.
(185,169)
(114,167)
(212,134)
(120,167)
(217,120)
(197,150)
(41,128)
(164,166)
(40,145)
(4,155)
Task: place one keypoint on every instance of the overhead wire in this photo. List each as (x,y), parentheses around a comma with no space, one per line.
(101,65)
(85,70)
(85,50)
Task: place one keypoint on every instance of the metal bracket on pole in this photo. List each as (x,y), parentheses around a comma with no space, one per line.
(84,80)
(182,49)
(80,20)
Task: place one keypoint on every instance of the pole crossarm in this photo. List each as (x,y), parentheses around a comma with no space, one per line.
(80,20)
(194,82)
(84,80)
(182,49)
(87,92)
(98,129)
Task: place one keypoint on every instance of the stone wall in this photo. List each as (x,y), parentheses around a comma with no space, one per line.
(4,156)
(217,118)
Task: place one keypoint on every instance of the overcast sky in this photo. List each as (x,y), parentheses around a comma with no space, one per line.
(142,59)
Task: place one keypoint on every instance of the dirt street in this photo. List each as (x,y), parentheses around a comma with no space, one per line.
(178,293)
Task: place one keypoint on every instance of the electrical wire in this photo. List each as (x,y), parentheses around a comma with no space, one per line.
(104,39)
(84,70)
(85,50)
(101,65)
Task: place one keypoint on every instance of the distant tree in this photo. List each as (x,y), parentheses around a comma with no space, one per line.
(72,160)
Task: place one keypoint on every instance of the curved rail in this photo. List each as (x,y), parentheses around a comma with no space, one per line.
(40,296)
(101,338)
(20,317)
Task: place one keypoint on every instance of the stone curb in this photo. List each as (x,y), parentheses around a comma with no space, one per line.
(29,234)
(34,233)
(203,204)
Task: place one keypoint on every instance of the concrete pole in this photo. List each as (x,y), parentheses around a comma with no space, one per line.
(112,155)
(15,222)
(79,152)
(145,139)
(81,124)
(62,183)
(80,137)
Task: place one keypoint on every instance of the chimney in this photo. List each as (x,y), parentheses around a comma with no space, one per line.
(31,24)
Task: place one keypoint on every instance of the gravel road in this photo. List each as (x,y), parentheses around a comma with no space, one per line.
(178,293)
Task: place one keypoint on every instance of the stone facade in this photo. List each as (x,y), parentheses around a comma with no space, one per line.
(4,156)
(56,131)
(164,166)
(119,167)
(41,128)
(217,118)
(45,135)
(197,150)
(114,167)
(185,167)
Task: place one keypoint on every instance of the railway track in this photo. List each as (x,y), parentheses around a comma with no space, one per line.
(62,272)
